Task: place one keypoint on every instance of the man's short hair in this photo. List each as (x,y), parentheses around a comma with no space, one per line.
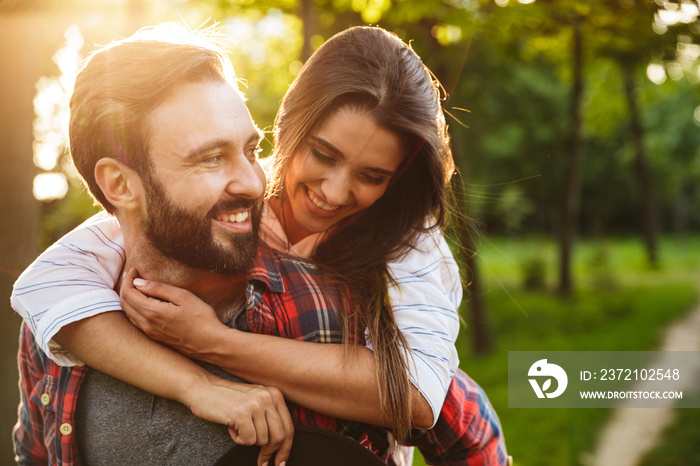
(121,83)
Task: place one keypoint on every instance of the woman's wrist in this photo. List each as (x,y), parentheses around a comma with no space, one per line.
(195,383)
(218,346)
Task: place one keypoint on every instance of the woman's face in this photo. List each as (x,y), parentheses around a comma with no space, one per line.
(340,170)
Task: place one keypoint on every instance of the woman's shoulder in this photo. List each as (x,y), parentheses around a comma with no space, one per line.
(429,247)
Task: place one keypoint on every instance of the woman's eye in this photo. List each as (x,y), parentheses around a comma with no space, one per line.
(374,179)
(321,157)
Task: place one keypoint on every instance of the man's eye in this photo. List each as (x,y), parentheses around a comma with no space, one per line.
(213,159)
(254,153)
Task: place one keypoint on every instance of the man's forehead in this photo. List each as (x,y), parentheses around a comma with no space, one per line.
(200,113)
(211,95)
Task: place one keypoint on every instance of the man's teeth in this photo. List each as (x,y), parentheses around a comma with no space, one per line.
(234,218)
(319,203)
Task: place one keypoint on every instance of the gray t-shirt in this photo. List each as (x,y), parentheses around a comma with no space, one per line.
(117,423)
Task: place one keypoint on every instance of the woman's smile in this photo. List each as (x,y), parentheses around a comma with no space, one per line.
(318,202)
(341,170)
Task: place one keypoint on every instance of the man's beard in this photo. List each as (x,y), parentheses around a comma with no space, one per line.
(187,238)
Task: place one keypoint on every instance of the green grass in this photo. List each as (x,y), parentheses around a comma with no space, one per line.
(620,303)
(680,440)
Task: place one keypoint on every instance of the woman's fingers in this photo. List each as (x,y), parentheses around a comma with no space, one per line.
(160,290)
(264,420)
(132,299)
(279,430)
(285,435)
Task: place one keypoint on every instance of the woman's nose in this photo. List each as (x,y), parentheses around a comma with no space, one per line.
(337,189)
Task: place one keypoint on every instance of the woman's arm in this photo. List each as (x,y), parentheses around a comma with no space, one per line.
(332,379)
(70,281)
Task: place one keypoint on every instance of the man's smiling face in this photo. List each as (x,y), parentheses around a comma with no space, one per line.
(205,187)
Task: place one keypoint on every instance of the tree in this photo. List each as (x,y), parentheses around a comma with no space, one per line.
(28,39)
(621,30)
(572,183)
(634,32)
(645,181)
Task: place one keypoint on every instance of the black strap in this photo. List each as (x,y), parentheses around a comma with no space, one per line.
(313,446)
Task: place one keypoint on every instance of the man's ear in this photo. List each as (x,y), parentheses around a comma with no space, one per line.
(120,184)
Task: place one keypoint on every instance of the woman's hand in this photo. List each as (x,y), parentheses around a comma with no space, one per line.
(168,314)
(255,415)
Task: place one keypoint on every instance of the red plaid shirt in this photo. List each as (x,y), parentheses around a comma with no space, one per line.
(467,432)
(285,298)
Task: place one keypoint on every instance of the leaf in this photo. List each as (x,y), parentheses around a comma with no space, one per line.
(546,385)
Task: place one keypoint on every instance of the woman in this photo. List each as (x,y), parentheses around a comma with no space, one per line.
(358,185)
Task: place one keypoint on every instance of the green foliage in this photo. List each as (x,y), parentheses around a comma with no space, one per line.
(534,272)
(63,215)
(599,270)
(605,112)
(509,67)
(673,150)
(513,208)
(265,41)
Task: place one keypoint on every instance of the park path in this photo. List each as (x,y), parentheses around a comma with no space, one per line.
(633,431)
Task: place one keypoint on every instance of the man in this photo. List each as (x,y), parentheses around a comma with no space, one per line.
(163,140)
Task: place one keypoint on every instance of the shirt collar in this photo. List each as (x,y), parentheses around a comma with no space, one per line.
(266,269)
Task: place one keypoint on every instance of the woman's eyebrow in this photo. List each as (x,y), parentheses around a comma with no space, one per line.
(380,171)
(339,153)
(327,145)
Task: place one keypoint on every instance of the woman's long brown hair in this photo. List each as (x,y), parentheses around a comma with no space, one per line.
(372,70)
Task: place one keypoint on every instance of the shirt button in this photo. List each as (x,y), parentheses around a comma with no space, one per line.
(45,399)
(66,429)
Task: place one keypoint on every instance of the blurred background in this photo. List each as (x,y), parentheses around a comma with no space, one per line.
(575,127)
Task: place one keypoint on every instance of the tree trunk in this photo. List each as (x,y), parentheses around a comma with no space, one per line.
(22,51)
(644,179)
(572,188)
(307,25)
(479,323)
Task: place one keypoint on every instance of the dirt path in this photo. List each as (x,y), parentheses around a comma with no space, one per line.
(633,431)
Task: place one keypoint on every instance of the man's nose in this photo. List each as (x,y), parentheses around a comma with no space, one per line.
(246,179)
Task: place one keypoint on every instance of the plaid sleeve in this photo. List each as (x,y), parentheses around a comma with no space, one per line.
(28,433)
(468,431)
(44,433)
